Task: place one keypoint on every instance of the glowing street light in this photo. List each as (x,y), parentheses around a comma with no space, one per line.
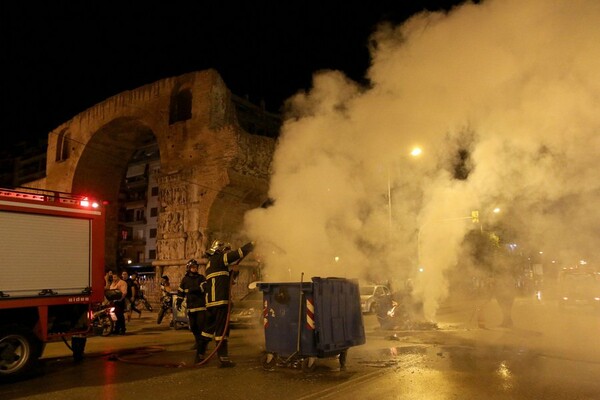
(416,151)
(475,216)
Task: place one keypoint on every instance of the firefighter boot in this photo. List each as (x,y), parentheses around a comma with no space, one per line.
(223,357)
(200,352)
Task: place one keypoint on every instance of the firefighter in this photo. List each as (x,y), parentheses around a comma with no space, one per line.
(191,288)
(220,269)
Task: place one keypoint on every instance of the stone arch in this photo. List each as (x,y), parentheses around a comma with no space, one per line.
(211,170)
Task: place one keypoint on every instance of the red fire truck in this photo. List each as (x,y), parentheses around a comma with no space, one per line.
(51,274)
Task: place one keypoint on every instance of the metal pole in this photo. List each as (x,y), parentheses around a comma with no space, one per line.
(389,187)
(300,314)
(419,247)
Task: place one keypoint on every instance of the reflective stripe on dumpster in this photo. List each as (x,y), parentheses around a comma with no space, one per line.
(310,314)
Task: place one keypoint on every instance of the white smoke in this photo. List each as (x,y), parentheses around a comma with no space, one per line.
(513,84)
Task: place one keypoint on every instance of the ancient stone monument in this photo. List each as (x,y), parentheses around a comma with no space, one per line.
(212,167)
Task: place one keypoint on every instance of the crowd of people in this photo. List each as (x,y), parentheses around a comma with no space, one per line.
(125,305)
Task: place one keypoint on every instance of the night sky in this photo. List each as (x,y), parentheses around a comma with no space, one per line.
(62,57)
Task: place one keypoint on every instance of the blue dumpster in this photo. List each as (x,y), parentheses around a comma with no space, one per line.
(308,320)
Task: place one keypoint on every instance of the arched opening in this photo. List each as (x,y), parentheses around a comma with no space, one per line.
(180,107)
(62,146)
(120,165)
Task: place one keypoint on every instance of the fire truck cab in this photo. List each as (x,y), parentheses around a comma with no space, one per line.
(51,273)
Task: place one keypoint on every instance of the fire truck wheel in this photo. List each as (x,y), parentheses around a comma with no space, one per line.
(19,352)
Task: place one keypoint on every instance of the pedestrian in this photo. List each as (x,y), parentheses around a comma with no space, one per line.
(221,267)
(121,285)
(166,301)
(108,278)
(191,289)
(135,294)
(129,296)
(165,286)
(127,300)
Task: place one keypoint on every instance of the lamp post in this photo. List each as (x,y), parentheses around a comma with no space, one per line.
(415,152)
(389,188)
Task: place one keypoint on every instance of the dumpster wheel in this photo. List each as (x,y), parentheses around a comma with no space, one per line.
(309,364)
(268,361)
(342,358)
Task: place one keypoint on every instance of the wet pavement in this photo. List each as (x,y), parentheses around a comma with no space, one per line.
(545,355)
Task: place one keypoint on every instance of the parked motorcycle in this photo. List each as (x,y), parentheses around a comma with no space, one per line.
(103,319)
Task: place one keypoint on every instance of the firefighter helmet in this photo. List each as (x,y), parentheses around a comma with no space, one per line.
(218,246)
(192,263)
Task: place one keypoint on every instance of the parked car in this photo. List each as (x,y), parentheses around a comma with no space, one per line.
(370,295)
(247,312)
(579,288)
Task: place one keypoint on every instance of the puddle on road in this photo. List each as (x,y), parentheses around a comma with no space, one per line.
(454,357)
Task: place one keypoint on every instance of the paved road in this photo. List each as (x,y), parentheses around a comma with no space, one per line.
(547,355)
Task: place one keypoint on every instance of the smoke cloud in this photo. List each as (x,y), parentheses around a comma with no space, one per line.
(502,97)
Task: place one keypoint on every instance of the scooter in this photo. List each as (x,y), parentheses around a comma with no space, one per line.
(103,319)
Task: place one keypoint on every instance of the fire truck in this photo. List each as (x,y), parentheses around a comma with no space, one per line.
(51,274)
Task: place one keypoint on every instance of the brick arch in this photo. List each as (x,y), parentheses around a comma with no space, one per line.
(204,160)
(102,166)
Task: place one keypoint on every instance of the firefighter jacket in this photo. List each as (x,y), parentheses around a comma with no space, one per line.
(191,289)
(218,274)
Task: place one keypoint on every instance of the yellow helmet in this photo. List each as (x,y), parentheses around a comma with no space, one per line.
(218,246)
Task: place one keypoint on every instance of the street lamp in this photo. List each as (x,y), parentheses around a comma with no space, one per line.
(416,151)
(495,210)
